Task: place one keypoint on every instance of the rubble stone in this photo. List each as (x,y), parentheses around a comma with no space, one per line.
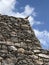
(18,43)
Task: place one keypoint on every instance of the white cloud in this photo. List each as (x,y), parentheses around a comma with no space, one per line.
(43,36)
(6,6)
(31,20)
(29,10)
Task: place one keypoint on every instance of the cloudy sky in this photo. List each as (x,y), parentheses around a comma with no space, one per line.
(38,10)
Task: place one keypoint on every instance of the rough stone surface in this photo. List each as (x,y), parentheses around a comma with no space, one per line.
(18,43)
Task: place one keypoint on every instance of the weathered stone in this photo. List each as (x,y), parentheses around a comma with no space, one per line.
(46,60)
(1,59)
(39,62)
(17,44)
(12,48)
(21,50)
(43,55)
(36,51)
(33,56)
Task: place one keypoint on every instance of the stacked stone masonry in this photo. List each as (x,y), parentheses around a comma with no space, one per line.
(18,43)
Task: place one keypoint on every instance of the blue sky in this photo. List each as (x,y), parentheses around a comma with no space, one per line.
(38,10)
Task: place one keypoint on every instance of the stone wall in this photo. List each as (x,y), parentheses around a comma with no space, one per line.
(18,43)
